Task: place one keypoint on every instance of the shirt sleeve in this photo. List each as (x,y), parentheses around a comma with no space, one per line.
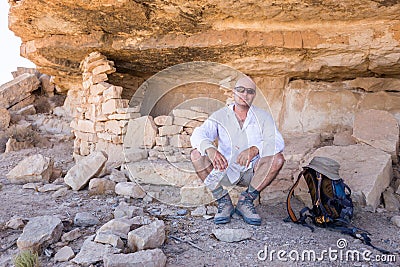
(271,141)
(203,137)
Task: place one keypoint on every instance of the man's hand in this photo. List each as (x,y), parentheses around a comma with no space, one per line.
(246,156)
(218,160)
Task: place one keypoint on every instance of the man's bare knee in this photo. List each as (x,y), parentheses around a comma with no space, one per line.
(274,163)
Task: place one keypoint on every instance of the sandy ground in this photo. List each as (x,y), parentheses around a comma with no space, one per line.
(199,246)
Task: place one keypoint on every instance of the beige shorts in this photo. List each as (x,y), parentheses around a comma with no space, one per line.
(244,179)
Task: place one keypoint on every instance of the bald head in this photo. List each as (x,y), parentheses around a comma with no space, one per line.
(246,82)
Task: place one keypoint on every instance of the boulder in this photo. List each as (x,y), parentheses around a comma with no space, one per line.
(71,235)
(80,174)
(378,128)
(47,85)
(366,170)
(149,257)
(40,232)
(147,237)
(17,89)
(195,195)
(36,168)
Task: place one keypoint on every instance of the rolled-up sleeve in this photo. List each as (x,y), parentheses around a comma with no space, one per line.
(203,137)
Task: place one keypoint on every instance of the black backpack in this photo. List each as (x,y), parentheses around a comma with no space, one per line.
(331,199)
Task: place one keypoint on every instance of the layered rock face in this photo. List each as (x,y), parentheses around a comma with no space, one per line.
(348,48)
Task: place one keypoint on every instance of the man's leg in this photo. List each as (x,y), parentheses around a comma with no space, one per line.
(203,167)
(265,171)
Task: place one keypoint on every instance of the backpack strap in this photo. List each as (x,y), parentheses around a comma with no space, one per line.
(291,192)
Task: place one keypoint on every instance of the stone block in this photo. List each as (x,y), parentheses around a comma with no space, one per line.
(113,92)
(80,174)
(147,237)
(193,124)
(18,89)
(163,120)
(86,126)
(98,89)
(149,257)
(23,103)
(130,189)
(112,105)
(115,127)
(365,169)
(135,154)
(40,232)
(195,195)
(162,173)
(104,68)
(141,132)
(102,77)
(180,140)
(162,141)
(35,168)
(169,130)
(124,116)
(181,121)
(379,129)
(189,114)
(100,186)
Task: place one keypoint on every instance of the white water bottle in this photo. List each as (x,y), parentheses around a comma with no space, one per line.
(214,178)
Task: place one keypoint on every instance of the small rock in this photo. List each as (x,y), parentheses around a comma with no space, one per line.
(390,200)
(125,210)
(129,189)
(119,227)
(64,254)
(34,186)
(109,238)
(15,223)
(396,220)
(71,235)
(212,210)
(85,219)
(182,212)
(199,211)
(118,176)
(147,236)
(60,192)
(231,235)
(50,187)
(100,186)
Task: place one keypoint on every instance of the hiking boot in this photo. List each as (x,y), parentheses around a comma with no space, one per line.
(246,209)
(225,210)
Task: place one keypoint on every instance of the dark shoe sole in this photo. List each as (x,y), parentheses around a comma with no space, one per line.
(248,220)
(223,220)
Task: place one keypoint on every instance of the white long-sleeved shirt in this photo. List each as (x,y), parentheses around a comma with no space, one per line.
(258,130)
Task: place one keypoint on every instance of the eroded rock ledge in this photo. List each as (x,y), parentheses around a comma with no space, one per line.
(326,40)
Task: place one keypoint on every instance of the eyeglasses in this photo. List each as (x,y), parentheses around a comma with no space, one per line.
(241,89)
